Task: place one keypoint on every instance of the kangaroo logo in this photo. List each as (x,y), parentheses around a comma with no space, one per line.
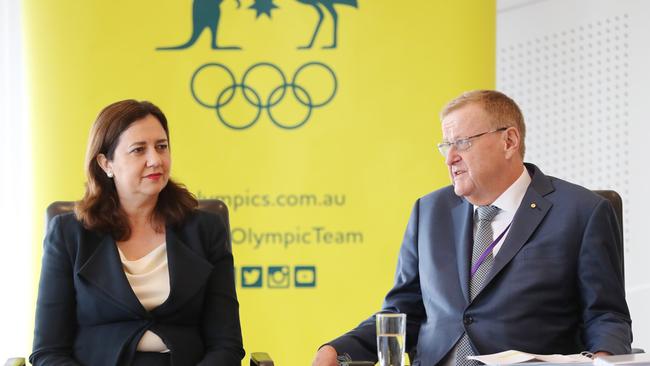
(205,14)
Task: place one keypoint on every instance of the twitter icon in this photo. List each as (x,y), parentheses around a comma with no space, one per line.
(251,276)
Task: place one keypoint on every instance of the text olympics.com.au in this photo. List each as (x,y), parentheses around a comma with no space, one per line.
(313,235)
(236,201)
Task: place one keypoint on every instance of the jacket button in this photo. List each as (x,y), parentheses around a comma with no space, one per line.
(467,320)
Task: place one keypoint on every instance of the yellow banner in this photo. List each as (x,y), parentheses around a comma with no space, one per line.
(314,120)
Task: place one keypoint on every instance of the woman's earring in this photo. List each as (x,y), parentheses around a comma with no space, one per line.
(109,174)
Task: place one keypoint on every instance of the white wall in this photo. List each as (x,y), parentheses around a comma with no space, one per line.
(579,70)
(15,191)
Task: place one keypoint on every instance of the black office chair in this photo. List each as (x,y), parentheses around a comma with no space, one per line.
(617,202)
(214,206)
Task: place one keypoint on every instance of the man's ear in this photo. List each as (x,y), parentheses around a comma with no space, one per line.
(512,141)
(104,163)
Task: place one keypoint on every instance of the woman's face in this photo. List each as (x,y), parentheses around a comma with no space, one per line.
(141,162)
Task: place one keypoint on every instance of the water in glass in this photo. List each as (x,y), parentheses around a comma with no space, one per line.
(390,349)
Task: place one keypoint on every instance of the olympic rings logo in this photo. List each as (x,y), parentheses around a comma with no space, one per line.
(261,101)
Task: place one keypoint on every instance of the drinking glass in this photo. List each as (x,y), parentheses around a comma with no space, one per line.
(391,338)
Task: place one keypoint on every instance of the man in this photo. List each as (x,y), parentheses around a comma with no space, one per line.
(505,258)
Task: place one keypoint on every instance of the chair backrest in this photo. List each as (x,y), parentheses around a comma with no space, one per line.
(617,202)
(213,205)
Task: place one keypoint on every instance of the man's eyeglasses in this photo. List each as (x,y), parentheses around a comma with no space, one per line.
(463,144)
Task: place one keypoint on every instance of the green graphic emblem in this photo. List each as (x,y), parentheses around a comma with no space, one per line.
(207,14)
(251,276)
(329,6)
(288,101)
(278,277)
(263,7)
(259,97)
(305,276)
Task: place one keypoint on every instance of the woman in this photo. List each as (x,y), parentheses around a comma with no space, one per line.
(137,275)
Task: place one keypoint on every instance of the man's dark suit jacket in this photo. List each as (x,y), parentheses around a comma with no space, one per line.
(88,314)
(555,287)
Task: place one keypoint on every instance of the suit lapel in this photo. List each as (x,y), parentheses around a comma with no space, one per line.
(188,273)
(103,269)
(463,224)
(529,215)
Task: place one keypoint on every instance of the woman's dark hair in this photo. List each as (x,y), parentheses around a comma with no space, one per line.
(100,209)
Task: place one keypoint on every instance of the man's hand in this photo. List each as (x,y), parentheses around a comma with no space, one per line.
(326,356)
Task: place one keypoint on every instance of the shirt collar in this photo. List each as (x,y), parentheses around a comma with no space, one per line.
(510,200)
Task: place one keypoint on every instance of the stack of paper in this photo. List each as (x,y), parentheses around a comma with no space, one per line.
(633,359)
(512,357)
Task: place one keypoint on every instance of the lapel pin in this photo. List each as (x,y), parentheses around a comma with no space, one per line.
(533,205)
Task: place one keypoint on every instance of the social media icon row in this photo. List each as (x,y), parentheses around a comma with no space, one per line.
(277,276)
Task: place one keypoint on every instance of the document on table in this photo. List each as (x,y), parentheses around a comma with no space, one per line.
(632,359)
(514,357)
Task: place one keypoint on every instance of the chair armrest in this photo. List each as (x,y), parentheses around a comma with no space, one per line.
(261,359)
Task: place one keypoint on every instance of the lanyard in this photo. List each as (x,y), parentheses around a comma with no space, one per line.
(488,250)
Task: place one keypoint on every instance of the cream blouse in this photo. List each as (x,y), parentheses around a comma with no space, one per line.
(149,279)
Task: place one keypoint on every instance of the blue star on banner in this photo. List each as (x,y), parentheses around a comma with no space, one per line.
(263,7)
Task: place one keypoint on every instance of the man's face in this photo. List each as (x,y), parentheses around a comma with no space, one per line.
(474,172)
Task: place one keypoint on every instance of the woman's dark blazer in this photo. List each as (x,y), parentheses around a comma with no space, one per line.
(88,314)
